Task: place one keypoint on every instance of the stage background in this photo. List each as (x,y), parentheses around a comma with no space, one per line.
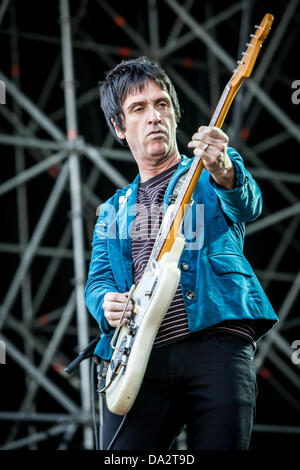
(59,162)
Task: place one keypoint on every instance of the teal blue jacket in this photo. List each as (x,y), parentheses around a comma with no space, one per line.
(222,282)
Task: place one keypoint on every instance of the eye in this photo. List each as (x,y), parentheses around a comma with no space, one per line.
(138,109)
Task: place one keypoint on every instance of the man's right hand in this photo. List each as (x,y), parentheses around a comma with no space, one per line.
(113,306)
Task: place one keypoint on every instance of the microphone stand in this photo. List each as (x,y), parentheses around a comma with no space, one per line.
(101,368)
(83,354)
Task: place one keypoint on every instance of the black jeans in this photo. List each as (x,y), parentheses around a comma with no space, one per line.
(207,382)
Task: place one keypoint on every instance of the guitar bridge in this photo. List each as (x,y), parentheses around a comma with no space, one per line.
(121,357)
(123,351)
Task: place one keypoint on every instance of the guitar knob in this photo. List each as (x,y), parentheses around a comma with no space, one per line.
(184,266)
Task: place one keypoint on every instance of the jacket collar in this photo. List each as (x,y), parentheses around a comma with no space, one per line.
(126,213)
(127,196)
(130,191)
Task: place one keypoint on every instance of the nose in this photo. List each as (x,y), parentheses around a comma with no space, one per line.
(153,116)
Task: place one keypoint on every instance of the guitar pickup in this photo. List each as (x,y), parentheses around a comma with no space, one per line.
(148,293)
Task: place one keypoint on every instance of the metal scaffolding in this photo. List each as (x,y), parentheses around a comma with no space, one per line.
(60,163)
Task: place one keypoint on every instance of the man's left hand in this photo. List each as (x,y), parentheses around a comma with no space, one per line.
(210,143)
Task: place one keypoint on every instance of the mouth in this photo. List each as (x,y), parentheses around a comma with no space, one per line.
(156,134)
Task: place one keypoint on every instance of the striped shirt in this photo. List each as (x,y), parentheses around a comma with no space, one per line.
(148,217)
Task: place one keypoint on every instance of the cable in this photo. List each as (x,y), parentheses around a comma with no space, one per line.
(93,404)
(117,432)
(99,436)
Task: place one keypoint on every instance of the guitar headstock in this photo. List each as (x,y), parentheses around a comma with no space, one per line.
(246,64)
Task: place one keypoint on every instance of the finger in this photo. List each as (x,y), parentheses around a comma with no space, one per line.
(198,140)
(209,150)
(202,137)
(207,158)
(208,139)
(114,317)
(198,143)
(117,306)
(116,296)
(114,324)
(217,133)
(211,132)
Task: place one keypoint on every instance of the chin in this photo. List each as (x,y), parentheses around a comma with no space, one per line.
(159,151)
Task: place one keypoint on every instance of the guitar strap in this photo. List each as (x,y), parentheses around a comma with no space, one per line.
(172,198)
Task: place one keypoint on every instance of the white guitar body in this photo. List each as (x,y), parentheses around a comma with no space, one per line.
(151,299)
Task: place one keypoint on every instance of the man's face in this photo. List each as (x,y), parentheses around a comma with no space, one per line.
(150,125)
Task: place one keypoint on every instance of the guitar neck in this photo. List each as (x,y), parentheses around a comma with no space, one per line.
(171,226)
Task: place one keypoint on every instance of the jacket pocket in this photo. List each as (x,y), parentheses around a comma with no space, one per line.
(226,263)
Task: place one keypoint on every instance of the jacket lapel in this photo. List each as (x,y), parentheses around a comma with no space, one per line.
(126,214)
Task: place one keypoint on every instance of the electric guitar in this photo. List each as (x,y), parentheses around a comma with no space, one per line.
(132,343)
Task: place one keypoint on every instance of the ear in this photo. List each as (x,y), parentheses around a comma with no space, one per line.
(120,134)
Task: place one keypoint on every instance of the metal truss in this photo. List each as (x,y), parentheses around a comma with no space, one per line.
(59,162)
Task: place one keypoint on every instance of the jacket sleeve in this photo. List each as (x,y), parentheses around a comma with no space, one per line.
(243,203)
(100,277)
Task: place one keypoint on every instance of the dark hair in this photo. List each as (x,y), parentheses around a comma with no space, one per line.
(122,79)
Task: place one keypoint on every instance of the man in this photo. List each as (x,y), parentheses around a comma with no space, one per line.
(201,370)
